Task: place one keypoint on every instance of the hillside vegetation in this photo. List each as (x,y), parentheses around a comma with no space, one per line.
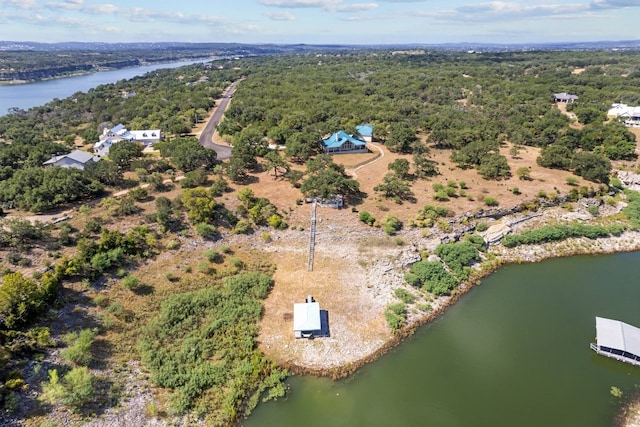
(161,261)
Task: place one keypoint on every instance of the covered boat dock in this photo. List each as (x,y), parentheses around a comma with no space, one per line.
(617,340)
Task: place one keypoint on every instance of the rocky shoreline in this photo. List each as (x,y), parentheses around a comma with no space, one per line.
(515,220)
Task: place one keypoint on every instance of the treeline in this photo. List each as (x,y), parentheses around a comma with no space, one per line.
(163,100)
(470,103)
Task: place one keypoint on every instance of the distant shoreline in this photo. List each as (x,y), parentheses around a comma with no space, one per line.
(79,73)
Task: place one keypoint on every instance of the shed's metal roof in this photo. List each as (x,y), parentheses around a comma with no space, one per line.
(618,335)
(306,316)
(365,130)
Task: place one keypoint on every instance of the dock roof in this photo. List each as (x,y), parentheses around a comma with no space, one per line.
(306,316)
(617,335)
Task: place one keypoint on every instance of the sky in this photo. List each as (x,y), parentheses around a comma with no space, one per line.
(320,21)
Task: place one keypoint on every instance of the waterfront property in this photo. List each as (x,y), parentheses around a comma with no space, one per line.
(342,142)
(306,319)
(617,340)
(77,159)
(629,115)
(567,98)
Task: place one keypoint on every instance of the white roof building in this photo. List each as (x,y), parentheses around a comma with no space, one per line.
(77,159)
(306,319)
(630,115)
(120,133)
(617,340)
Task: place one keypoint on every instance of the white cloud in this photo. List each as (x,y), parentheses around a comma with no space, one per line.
(500,10)
(294,4)
(280,16)
(21,4)
(358,7)
(328,5)
(614,4)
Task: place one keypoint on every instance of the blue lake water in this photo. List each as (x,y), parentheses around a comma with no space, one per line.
(30,95)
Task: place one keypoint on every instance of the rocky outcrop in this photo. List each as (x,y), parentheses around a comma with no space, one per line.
(630,179)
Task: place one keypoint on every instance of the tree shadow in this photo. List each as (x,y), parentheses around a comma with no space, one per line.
(143,290)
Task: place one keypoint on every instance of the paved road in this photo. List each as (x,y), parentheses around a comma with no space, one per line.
(206,137)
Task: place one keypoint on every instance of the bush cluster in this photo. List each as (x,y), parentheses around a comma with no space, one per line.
(555,233)
(218,360)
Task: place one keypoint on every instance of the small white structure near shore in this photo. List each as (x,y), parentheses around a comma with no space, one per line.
(617,340)
(306,319)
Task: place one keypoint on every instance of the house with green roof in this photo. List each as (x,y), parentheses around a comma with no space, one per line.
(342,142)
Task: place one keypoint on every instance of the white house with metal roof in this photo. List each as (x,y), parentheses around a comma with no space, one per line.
(119,133)
(630,115)
(565,97)
(77,159)
(617,340)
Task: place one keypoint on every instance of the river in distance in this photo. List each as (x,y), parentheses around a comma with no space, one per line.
(512,352)
(30,95)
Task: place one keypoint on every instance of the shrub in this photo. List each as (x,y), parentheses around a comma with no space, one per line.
(593,210)
(490,201)
(92,227)
(75,389)
(477,241)
(204,267)
(130,282)
(219,187)
(172,244)
(242,227)
(405,296)
(212,255)
(431,277)
(440,196)
(459,255)
(450,191)
(195,178)
(395,315)
(276,222)
(205,230)
(79,350)
(516,191)
(391,224)
(139,193)
(572,181)
(615,183)
(554,233)
(366,217)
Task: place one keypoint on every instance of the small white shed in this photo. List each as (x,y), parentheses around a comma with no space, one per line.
(306,319)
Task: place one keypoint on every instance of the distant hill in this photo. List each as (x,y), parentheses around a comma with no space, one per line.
(239,48)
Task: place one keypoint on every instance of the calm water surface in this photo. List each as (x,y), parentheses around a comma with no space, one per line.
(30,95)
(513,352)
